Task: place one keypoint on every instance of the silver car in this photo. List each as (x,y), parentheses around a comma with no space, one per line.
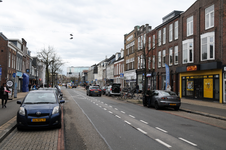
(113,89)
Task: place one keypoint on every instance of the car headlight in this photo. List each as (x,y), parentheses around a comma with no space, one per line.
(56,110)
(22,111)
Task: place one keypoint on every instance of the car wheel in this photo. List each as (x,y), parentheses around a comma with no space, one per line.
(176,108)
(156,105)
(100,95)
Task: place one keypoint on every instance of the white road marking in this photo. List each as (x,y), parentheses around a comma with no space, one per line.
(163,143)
(127,122)
(131,116)
(116,109)
(188,142)
(122,112)
(117,116)
(106,104)
(100,106)
(161,129)
(97,104)
(144,121)
(102,102)
(110,112)
(105,109)
(141,130)
(110,106)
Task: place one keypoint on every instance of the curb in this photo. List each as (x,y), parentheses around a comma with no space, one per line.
(7,131)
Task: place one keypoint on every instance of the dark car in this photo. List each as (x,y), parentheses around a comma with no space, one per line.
(40,108)
(103,89)
(56,90)
(161,98)
(74,85)
(93,90)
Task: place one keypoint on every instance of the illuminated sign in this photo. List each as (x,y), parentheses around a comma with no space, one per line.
(192,68)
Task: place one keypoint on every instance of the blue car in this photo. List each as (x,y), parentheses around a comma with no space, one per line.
(40,108)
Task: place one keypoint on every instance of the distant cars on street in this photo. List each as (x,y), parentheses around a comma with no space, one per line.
(161,98)
(103,90)
(40,108)
(93,90)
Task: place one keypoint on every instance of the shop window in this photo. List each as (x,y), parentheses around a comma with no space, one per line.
(163,82)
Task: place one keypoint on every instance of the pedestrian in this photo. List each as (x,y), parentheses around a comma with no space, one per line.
(148,95)
(137,88)
(4,92)
(168,88)
(29,86)
(34,87)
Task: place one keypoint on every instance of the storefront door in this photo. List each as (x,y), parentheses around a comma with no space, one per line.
(198,87)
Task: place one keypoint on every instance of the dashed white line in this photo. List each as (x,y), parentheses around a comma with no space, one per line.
(110,106)
(141,130)
(117,116)
(110,112)
(100,106)
(106,104)
(127,122)
(116,109)
(161,129)
(144,121)
(97,104)
(188,142)
(102,102)
(163,143)
(105,109)
(131,116)
(122,112)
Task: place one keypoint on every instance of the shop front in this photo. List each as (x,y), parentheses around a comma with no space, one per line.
(198,82)
(151,79)
(224,84)
(130,78)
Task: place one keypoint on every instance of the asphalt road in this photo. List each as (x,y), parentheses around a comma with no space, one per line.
(123,125)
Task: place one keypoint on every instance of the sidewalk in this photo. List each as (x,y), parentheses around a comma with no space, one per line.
(9,126)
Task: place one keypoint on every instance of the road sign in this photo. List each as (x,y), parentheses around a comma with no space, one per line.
(9,83)
(14,75)
(0,71)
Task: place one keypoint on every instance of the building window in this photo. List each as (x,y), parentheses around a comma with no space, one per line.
(163,58)
(171,56)
(209,17)
(144,39)
(153,44)
(159,59)
(190,26)
(138,43)
(159,38)
(176,30)
(170,32)
(138,62)
(149,62)
(149,43)
(141,42)
(188,51)
(175,55)
(9,58)
(153,62)
(164,36)
(208,46)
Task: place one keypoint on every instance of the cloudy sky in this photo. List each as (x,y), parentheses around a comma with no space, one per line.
(98,26)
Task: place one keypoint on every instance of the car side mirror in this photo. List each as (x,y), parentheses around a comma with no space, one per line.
(62,101)
(19,102)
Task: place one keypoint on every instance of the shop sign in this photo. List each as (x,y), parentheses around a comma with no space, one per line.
(192,68)
(19,74)
(148,75)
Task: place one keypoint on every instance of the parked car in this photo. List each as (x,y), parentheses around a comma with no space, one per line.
(113,89)
(93,90)
(162,99)
(59,94)
(74,85)
(40,108)
(103,89)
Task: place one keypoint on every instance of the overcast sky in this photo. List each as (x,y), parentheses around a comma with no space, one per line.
(98,26)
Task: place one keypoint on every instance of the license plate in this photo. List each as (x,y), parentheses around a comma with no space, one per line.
(38,120)
(96,91)
(172,104)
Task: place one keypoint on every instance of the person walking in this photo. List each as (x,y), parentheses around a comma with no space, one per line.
(4,92)
(148,96)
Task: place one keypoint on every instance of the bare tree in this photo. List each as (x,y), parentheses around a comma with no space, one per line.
(50,59)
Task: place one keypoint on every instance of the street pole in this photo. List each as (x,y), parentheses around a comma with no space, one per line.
(52,74)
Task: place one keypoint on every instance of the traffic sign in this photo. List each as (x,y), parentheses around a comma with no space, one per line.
(9,83)
(14,75)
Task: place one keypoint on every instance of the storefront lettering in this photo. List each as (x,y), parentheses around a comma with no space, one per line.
(191,68)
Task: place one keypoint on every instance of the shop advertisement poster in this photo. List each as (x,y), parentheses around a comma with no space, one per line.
(190,85)
(208,88)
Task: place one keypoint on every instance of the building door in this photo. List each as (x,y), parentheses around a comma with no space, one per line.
(216,89)
(198,91)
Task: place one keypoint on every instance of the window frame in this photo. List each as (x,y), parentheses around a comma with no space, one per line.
(170,56)
(163,58)
(171,32)
(153,61)
(176,29)
(208,36)
(159,59)
(164,36)
(208,17)
(187,53)
(190,25)
(153,41)
(159,37)
(176,55)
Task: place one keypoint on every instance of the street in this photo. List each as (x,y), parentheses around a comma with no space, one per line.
(92,122)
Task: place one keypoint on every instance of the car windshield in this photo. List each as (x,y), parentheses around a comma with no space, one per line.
(167,93)
(40,98)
